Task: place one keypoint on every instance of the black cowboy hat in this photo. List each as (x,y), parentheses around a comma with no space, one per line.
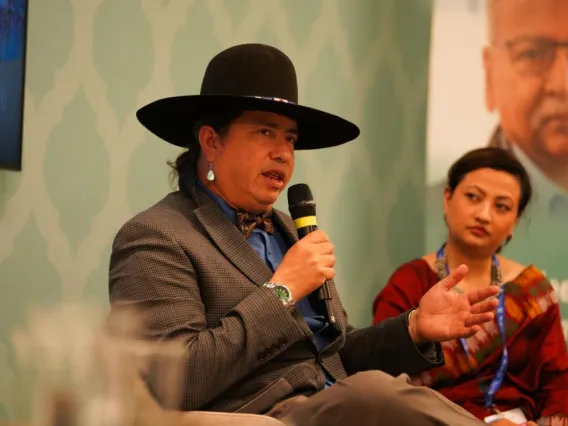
(246,77)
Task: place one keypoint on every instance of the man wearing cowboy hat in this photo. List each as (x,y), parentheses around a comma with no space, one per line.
(215,266)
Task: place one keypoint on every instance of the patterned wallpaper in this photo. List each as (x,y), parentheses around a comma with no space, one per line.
(89,166)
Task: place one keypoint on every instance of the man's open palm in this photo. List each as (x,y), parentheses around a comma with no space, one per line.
(445,315)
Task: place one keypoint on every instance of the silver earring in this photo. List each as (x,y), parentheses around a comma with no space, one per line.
(211,173)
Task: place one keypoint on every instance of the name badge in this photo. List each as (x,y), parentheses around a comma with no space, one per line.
(515,416)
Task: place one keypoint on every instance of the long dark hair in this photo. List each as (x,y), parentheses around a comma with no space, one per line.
(188,159)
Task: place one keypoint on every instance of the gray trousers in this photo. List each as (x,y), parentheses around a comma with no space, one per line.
(373,398)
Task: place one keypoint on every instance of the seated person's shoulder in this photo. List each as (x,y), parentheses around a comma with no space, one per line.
(404,288)
(510,269)
(430,259)
(529,281)
(524,275)
(162,218)
(409,272)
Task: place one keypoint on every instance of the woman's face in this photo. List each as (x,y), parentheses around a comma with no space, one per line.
(482,211)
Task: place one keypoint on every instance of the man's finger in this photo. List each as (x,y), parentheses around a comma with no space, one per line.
(328,260)
(476,296)
(317,236)
(470,331)
(485,306)
(455,277)
(476,319)
(325,247)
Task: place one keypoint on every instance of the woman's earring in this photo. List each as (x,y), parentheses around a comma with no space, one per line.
(211,173)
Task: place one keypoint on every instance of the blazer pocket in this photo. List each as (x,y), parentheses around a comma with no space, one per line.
(267,397)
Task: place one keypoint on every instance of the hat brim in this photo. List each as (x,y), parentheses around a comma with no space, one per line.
(172,119)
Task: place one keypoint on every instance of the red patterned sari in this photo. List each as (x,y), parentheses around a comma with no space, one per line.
(537,376)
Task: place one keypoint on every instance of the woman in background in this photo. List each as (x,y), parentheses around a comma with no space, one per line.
(487,193)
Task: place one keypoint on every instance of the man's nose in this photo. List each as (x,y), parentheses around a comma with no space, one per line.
(557,81)
(283,150)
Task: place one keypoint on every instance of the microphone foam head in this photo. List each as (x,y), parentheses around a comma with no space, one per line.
(301,201)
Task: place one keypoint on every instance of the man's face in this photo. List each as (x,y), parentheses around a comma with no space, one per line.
(527,74)
(254,161)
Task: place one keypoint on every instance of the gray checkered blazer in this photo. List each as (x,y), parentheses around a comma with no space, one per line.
(196,279)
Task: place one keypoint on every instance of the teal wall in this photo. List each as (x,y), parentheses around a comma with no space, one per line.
(88,166)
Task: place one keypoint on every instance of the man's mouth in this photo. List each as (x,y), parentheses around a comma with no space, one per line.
(275,178)
(274,175)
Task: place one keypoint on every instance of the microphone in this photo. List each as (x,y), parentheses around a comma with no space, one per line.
(302,208)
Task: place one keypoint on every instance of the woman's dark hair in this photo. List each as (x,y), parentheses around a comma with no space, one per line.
(188,158)
(496,159)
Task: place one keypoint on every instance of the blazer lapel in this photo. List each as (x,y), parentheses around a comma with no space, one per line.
(232,243)
(225,234)
(286,225)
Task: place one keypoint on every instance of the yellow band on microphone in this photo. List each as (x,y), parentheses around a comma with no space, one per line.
(305,221)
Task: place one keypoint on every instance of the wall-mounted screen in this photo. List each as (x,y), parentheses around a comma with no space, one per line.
(13,29)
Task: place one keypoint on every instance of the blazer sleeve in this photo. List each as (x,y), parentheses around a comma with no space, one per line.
(150,272)
(387,345)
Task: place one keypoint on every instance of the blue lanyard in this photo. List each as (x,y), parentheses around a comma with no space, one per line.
(500,374)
